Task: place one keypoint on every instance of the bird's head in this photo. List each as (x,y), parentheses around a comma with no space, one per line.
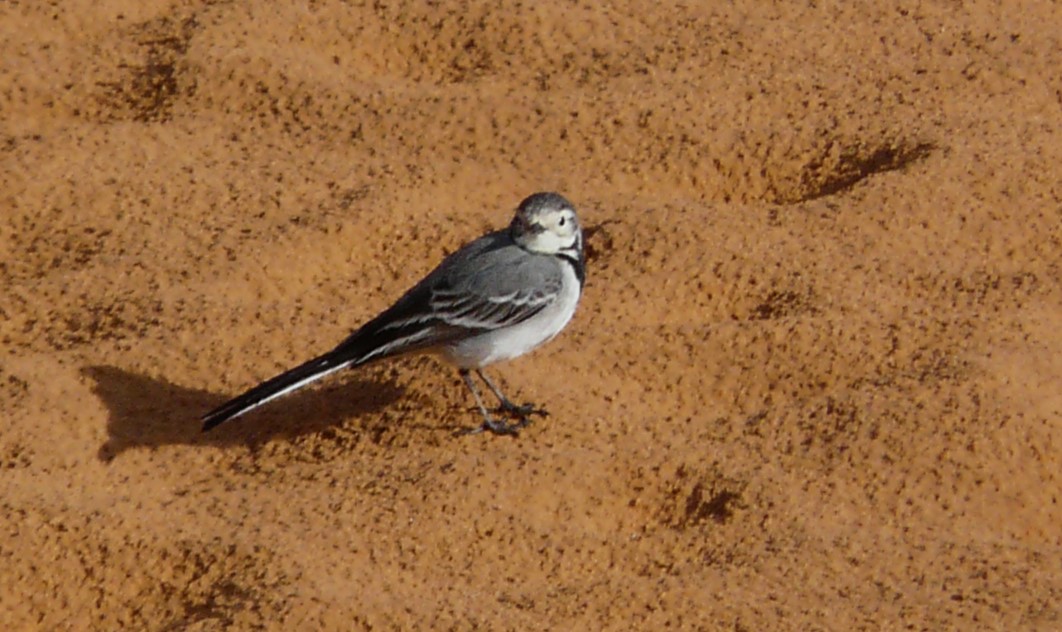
(546,223)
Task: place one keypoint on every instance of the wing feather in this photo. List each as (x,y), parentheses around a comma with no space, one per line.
(501,295)
(491,284)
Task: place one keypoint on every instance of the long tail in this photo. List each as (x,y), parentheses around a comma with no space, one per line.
(405,327)
(276,387)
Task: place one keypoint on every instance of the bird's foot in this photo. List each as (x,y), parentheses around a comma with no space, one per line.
(523,412)
(495,426)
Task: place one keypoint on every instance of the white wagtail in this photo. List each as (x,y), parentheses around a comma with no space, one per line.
(494,299)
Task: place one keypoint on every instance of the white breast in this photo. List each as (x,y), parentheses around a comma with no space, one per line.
(505,344)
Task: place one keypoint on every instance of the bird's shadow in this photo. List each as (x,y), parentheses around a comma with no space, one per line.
(147,412)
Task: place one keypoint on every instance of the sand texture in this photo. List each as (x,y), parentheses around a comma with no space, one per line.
(814,383)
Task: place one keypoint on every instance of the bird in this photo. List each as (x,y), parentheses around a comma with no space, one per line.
(494,299)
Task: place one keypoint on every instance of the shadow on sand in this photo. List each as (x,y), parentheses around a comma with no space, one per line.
(146,412)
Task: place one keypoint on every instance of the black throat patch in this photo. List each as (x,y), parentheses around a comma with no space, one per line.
(577,261)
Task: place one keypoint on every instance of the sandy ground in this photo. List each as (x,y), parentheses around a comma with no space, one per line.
(815,381)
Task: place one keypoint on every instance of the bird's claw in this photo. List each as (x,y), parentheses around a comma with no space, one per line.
(523,416)
(523,412)
(497,427)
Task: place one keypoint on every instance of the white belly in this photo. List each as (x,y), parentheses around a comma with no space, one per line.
(511,342)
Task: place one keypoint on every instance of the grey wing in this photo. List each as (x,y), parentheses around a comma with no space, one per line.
(498,289)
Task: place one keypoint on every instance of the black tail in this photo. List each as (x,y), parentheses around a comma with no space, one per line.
(271,389)
(404,327)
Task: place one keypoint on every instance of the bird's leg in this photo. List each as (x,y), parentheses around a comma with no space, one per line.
(489,423)
(505,405)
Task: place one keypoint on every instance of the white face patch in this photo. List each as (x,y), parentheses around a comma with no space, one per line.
(550,231)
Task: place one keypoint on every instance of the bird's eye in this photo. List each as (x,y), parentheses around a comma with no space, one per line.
(562,221)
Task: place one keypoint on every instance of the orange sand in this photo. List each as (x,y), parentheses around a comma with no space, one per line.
(815,381)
